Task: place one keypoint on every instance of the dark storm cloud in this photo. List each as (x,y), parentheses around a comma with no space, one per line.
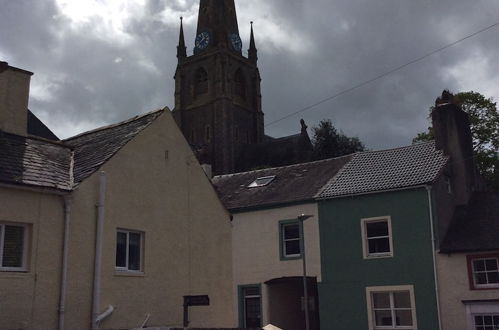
(308,50)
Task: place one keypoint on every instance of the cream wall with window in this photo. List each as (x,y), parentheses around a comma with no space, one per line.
(469,290)
(257,250)
(31,228)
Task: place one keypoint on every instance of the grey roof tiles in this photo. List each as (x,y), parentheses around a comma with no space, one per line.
(63,165)
(387,170)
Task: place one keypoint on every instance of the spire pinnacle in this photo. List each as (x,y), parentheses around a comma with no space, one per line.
(181,49)
(252,52)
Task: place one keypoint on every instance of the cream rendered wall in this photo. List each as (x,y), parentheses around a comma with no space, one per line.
(454,288)
(30,300)
(156,186)
(255,243)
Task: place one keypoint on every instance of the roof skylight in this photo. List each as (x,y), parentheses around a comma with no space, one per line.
(263,181)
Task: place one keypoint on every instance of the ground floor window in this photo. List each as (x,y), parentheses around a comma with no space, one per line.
(482,314)
(391,307)
(486,322)
(13,247)
(129,247)
(250,306)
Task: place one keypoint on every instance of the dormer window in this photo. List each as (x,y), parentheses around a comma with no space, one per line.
(261,182)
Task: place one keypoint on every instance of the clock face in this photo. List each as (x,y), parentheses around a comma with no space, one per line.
(202,40)
(236,42)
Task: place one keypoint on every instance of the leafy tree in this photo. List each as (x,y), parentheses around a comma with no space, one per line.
(484,120)
(329,143)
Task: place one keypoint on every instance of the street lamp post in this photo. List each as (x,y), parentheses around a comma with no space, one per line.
(301,219)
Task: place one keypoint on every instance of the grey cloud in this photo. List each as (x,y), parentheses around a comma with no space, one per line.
(351,41)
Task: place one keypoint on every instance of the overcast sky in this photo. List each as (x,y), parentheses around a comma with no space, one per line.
(97,62)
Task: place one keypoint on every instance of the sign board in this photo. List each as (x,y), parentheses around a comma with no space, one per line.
(196,300)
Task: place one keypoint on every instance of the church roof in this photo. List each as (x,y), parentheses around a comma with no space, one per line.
(292,184)
(37,162)
(475,227)
(391,169)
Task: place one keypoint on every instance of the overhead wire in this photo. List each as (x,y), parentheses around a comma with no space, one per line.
(387,73)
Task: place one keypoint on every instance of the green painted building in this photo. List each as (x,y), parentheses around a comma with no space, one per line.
(377,251)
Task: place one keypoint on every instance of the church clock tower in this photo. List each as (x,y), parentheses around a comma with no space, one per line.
(217,89)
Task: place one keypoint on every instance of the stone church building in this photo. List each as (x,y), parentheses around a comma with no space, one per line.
(218,101)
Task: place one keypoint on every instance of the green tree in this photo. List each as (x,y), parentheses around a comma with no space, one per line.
(329,143)
(484,120)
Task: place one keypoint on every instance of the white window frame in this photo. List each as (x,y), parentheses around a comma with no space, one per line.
(391,290)
(479,308)
(365,245)
(473,272)
(141,261)
(24,267)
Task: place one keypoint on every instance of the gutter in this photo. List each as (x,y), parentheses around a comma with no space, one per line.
(433,252)
(65,254)
(97,318)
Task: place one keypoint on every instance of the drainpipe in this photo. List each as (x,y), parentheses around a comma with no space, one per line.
(65,252)
(433,240)
(96,318)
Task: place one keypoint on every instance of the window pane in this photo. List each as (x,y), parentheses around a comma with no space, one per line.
(13,246)
(479,265)
(291,231)
(402,299)
(496,320)
(121,250)
(134,251)
(478,320)
(493,278)
(376,229)
(481,278)
(381,300)
(403,318)
(383,318)
(292,247)
(491,264)
(487,320)
(379,245)
(252,311)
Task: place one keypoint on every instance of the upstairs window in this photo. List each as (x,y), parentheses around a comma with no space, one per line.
(263,181)
(484,271)
(377,237)
(13,247)
(240,84)
(129,247)
(290,238)
(201,82)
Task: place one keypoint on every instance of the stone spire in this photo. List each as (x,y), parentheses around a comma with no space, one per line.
(181,49)
(219,19)
(252,52)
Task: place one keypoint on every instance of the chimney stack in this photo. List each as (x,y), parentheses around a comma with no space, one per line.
(14,95)
(451,127)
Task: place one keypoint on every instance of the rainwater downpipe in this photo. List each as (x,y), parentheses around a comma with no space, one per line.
(65,252)
(433,240)
(96,317)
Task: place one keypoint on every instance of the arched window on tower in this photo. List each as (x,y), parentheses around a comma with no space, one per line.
(201,82)
(240,84)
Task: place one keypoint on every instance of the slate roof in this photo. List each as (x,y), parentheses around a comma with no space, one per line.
(92,149)
(474,227)
(63,165)
(387,170)
(294,183)
(37,128)
(34,162)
